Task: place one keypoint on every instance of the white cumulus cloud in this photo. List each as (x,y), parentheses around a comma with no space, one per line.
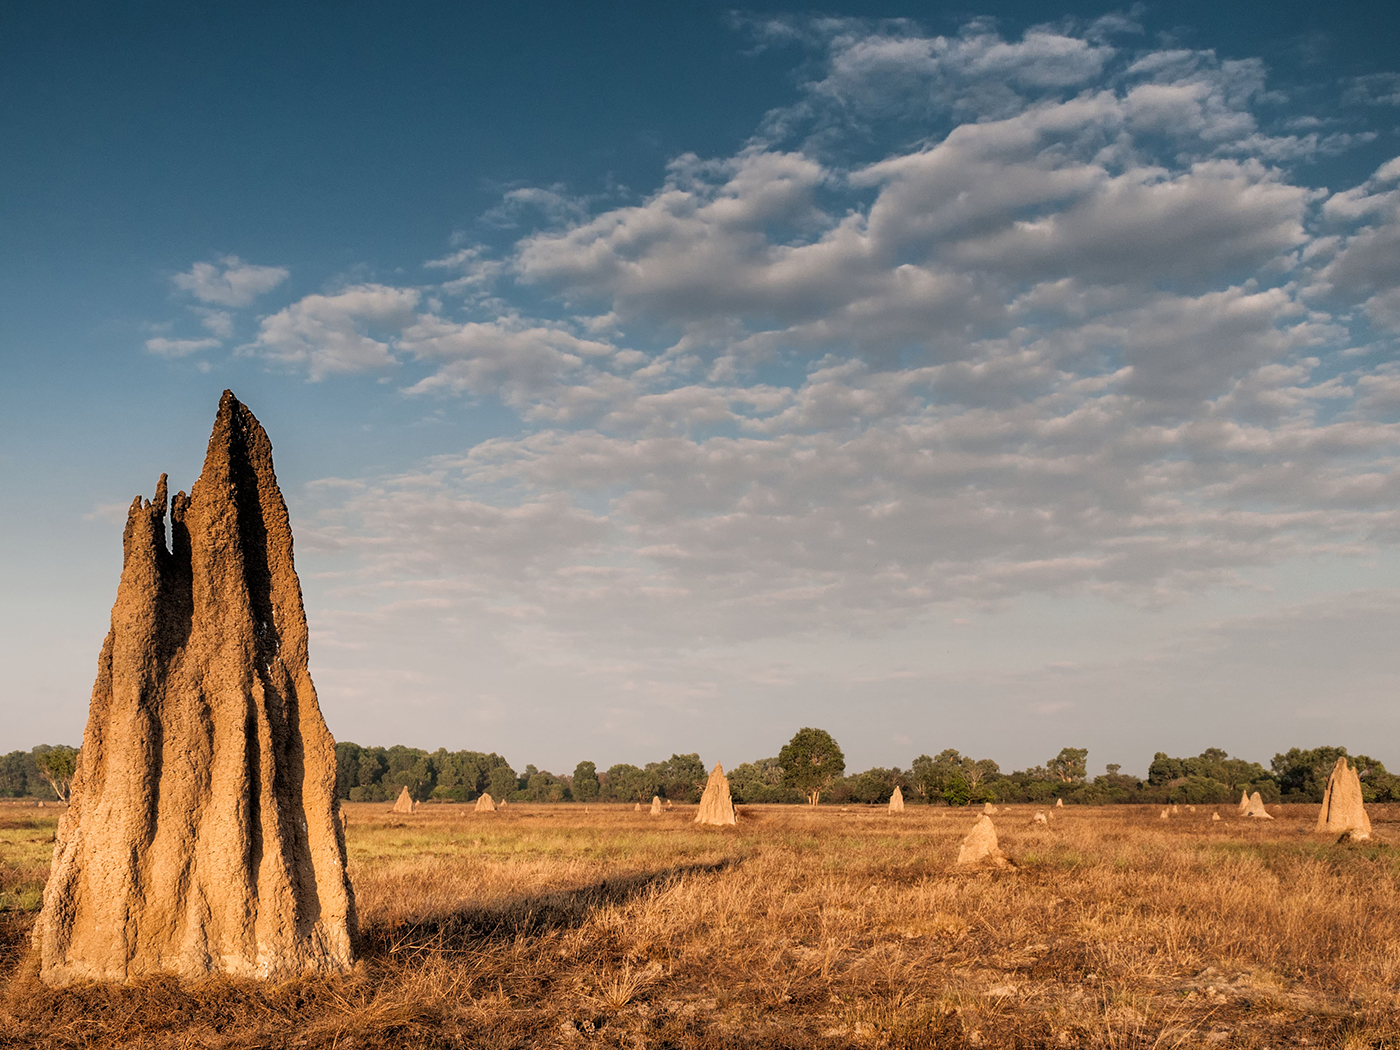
(229,281)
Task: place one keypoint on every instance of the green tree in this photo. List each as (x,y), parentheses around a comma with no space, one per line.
(1164,769)
(347,767)
(1113,786)
(680,778)
(978,775)
(586,786)
(463,775)
(502,782)
(13,782)
(1197,790)
(875,785)
(1215,764)
(1302,773)
(1209,777)
(1377,785)
(544,786)
(625,782)
(811,762)
(1069,766)
(368,786)
(57,766)
(924,777)
(760,781)
(409,767)
(932,778)
(955,791)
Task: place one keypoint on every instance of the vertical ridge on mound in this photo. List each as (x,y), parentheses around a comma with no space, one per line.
(204,833)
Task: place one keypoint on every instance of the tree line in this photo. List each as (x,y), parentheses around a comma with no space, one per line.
(810,768)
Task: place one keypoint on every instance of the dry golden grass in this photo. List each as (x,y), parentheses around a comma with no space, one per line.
(543,926)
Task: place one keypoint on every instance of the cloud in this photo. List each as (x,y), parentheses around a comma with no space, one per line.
(220,322)
(552,204)
(162,347)
(892,72)
(696,248)
(229,281)
(1074,330)
(479,272)
(857,502)
(937,259)
(1374,89)
(335,334)
(521,363)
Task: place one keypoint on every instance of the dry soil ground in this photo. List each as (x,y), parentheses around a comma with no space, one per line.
(559,926)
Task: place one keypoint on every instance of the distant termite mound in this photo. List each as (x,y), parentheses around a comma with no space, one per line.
(1343,809)
(484,803)
(1256,809)
(980,846)
(404,803)
(716,805)
(204,834)
(897,800)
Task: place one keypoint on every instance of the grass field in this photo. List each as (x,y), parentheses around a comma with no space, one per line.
(545,926)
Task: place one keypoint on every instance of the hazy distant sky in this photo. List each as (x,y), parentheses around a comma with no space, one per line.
(651,378)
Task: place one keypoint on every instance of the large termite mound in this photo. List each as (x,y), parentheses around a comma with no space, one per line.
(204,833)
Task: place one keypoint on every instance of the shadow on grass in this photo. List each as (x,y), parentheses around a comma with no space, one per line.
(388,1000)
(471,928)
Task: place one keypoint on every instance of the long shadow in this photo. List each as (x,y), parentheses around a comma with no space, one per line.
(475,927)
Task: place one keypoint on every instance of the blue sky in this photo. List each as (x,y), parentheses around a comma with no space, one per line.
(650,378)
